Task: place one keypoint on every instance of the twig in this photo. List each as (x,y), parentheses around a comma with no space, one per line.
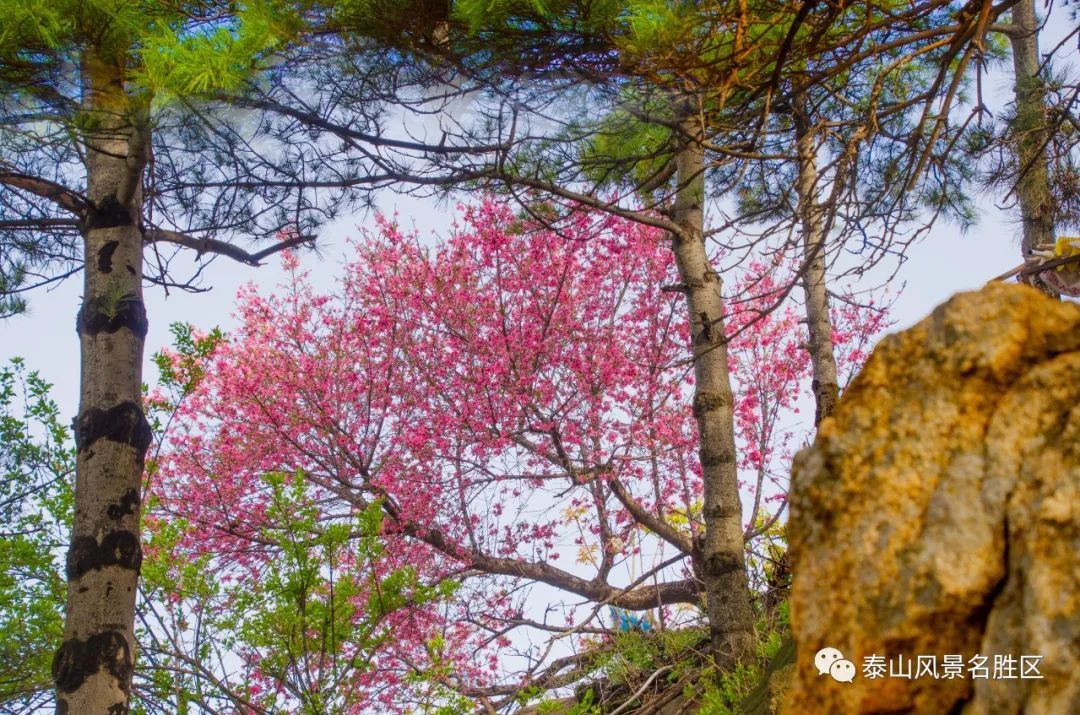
(637,693)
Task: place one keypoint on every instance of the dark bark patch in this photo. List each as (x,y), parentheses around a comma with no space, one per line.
(105,314)
(715,456)
(76,660)
(721,563)
(108,213)
(118,548)
(124,423)
(705,402)
(104,256)
(723,511)
(127,505)
(705,337)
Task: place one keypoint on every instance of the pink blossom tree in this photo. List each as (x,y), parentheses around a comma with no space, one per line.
(513,407)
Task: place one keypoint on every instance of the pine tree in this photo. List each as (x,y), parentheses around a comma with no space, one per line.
(114,148)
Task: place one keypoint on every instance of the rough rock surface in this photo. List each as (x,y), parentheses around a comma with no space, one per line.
(938,512)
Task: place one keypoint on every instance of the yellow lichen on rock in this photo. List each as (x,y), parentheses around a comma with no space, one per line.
(937,513)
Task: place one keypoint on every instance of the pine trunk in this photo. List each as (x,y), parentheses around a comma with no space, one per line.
(1033,180)
(826,386)
(720,559)
(93,667)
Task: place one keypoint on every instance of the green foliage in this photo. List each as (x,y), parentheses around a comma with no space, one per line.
(179,60)
(312,622)
(172,48)
(11,279)
(30,28)
(766,561)
(586,706)
(658,23)
(113,299)
(771,637)
(622,665)
(627,146)
(36,466)
(726,692)
(305,608)
(552,15)
(180,370)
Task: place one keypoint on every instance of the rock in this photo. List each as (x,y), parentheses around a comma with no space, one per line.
(938,513)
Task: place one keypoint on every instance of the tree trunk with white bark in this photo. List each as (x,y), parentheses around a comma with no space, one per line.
(93,667)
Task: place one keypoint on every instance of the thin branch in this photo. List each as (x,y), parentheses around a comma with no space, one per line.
(638,693)
(38,224)
(223,248)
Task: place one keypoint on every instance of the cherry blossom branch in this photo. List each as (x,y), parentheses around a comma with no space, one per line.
(638,599)
(650,521)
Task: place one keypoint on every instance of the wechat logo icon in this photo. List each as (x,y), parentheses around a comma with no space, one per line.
(830,661)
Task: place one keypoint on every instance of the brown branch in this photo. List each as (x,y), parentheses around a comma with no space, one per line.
(554,676)
(585,200)
(60,195)
(641,515)
(222,248)
(650,521)
(637,599)
(1007,29)
(311,118)
(1026,269)
(38,224)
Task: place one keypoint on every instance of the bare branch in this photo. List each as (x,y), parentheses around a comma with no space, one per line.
(60,195)
(223,248)
(38,224)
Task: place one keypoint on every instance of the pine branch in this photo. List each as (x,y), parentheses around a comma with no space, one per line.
(223,248)
(62,196)
(38,224)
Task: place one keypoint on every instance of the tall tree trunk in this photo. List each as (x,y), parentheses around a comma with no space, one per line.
(1033,179)
(93,667)
(822,358)
(720,555)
